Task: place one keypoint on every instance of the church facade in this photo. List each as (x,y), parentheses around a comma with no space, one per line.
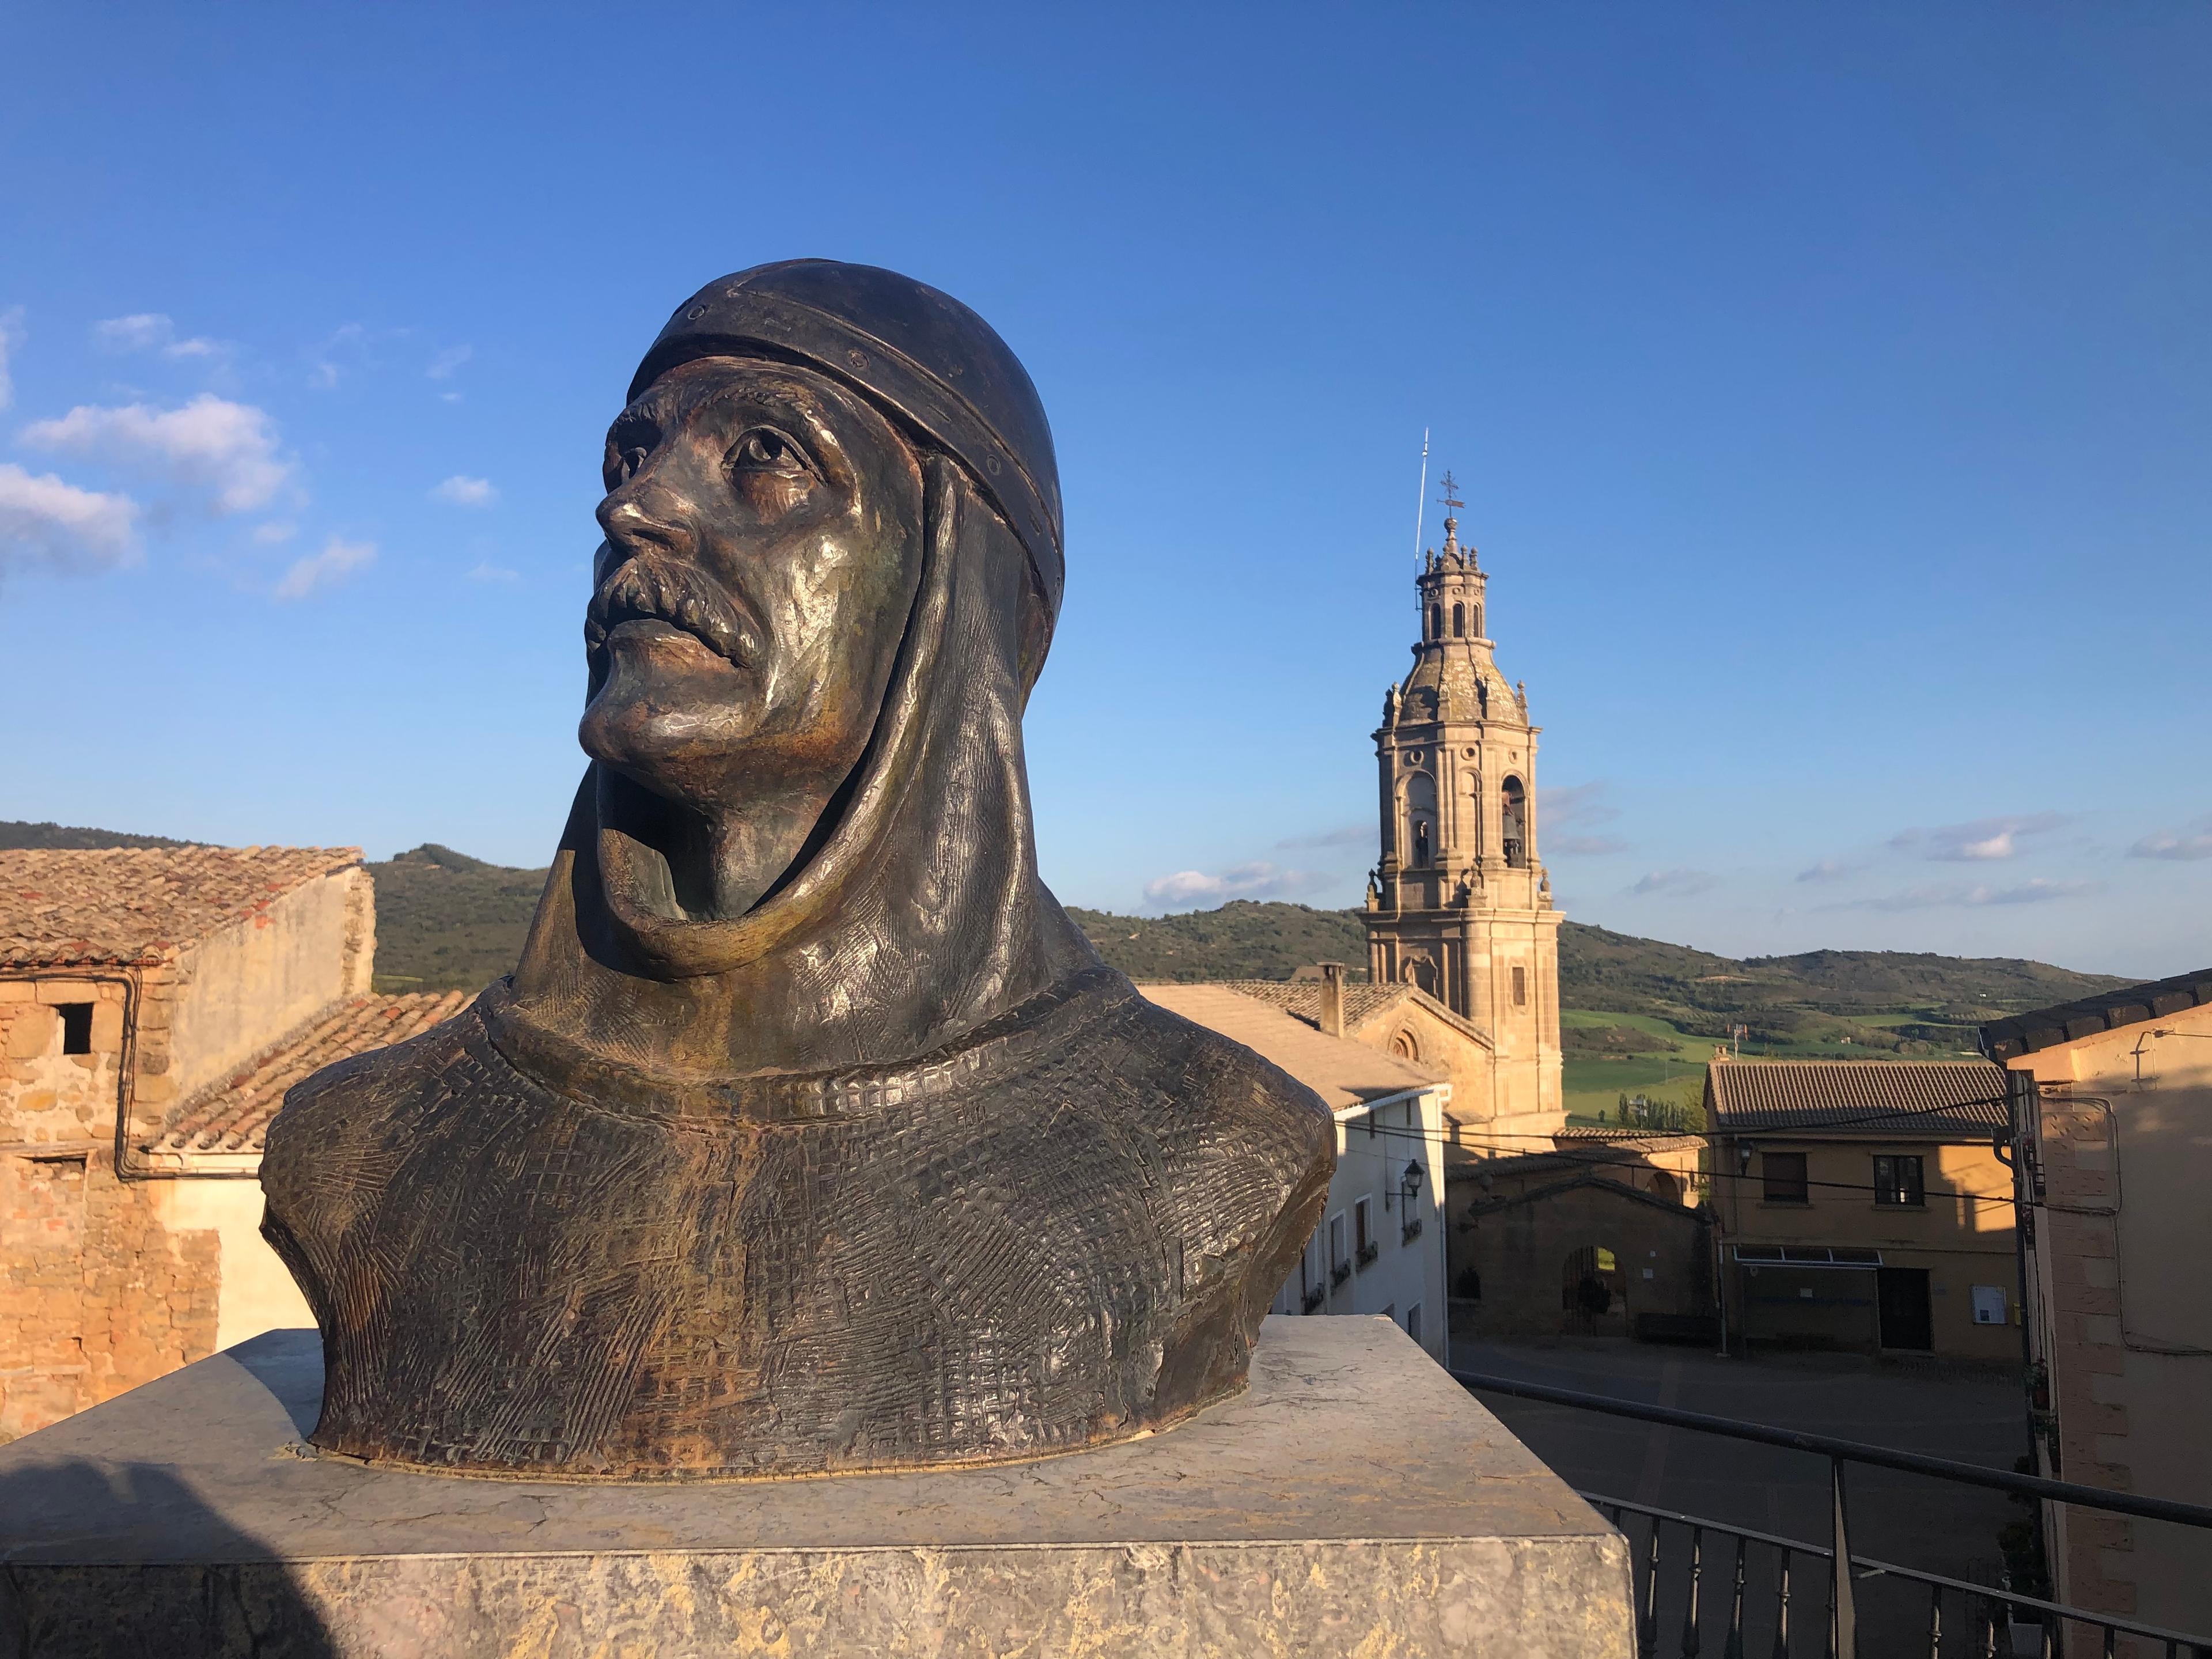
(1460,906)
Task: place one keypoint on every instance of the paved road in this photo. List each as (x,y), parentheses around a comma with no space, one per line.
(1974,1414)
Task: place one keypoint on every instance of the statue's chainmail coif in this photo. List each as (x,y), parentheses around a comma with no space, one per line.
(989,1203)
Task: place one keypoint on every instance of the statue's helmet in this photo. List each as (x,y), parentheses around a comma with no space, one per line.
(928,361)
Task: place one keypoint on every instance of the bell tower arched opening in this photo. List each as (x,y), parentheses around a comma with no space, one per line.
(1421,828)
(1513,823)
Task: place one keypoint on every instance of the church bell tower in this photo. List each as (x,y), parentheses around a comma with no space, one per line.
(1460,904)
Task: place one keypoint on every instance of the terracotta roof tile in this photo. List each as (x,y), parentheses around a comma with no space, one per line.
(134,905)
(232,1117)
(1893,1100)
(2132,1005)
(1301,998)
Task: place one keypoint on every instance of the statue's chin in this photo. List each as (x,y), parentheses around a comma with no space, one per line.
(671,714)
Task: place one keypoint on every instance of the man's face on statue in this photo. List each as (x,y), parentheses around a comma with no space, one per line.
(762,547)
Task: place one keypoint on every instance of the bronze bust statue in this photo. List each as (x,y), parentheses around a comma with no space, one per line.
(809,1135)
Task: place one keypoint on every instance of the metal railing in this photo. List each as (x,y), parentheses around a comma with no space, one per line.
(1990,1618)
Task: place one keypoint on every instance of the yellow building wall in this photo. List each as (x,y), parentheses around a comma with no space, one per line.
(1963,1234)
(2126,1307)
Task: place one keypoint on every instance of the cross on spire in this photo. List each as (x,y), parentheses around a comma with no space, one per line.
(1450,497)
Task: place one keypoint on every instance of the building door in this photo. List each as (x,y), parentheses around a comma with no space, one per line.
(1902,1293)
(1591,1292)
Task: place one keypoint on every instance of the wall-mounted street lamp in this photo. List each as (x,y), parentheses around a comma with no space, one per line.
(1409,1187)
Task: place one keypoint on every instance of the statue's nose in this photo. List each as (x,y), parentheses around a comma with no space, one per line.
(642,515)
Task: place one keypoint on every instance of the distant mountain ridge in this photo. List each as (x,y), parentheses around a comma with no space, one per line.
(446,920)
(17,835)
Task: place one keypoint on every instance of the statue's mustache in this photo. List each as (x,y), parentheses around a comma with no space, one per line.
(664,589)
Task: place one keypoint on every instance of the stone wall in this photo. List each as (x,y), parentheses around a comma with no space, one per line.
(97,1295)
(109,1280)
(257,981)
(1518,1248)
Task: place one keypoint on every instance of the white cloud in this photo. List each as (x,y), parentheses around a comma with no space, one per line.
(1673,884)
(320,569)
(211,441)
(2190,842)
(459,491)
(1983,839)
(1587,847)
(275,532)
(141,331)
(2036,890)
(443,365)
(349,340)
(1830,870)
(58,523)
(1577,803)
(489,572)
(1195,889)
(11,335)
(147,331)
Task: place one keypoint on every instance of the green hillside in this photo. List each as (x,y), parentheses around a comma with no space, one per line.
(448,922)
(1640,1012)
(1243,939)
(16,836)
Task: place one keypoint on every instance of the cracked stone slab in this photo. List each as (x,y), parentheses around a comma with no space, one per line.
(1353,1500)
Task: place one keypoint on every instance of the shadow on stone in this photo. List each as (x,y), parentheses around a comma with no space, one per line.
(59,1592)
(290,1369)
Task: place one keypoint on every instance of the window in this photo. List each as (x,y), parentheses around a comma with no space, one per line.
(1363,1233)
(1897,1180)
(1339,1261)
(1520,987)
(1784,1174)
(1459,622)
(1406,1045)
(1413,1322)
(1436,622)
(77,1027)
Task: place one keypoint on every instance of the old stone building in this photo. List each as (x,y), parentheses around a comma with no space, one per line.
(154,1003)
(1602,1234)
(1460,907)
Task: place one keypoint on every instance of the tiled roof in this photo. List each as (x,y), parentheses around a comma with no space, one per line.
(1656,1139)
(1301,998)
(2046,1028)
(232,1117)
(133,904)
(1923,1099)
(1344,1073)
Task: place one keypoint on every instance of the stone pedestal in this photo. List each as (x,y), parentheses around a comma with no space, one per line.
(1354,1500)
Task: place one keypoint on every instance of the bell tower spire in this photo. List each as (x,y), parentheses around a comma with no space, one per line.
(1461,905)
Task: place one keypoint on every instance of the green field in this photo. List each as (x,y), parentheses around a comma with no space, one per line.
(1594,1083)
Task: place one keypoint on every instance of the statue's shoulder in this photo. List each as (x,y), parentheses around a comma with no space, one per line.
(352,1099)
(1217,1093)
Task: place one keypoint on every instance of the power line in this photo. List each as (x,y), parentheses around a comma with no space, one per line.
(1622,1163)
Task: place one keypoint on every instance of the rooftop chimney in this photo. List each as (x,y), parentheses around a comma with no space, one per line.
(1332,998)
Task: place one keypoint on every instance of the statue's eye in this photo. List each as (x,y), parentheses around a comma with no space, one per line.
(626,458)
(763,449)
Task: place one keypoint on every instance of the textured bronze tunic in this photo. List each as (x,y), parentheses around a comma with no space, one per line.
(1060,1231)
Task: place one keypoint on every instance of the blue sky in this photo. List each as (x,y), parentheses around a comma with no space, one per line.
(1830,388)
